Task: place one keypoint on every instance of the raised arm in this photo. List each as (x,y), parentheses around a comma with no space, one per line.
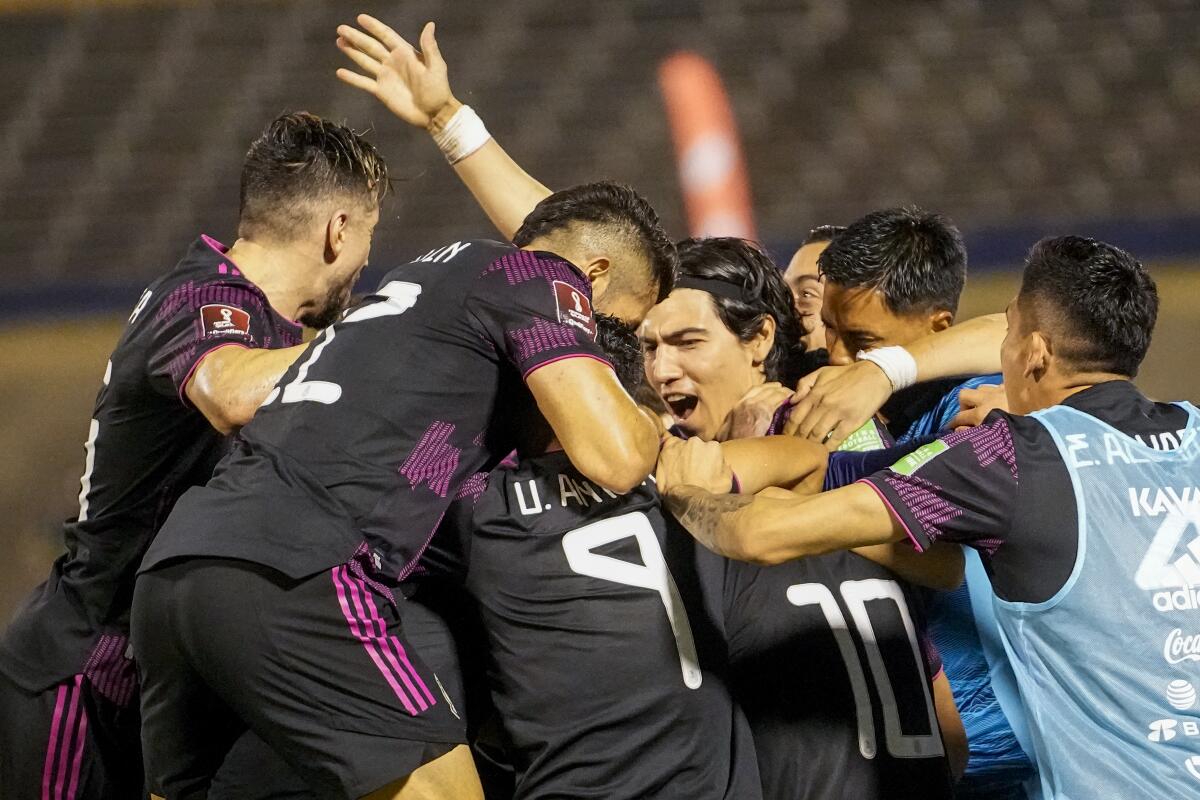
(415,86)
(604,433)
(841,399)
(228,384)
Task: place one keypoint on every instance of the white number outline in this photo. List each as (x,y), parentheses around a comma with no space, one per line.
(399,296)
(579,544)
(856,594)
(89,448)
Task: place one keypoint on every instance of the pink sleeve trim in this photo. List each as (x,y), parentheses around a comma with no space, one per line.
(187,378)
(536,367)
(895,514)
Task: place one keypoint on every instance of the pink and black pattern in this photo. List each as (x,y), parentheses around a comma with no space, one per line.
(434,460)
(923,503)
(523,265)
(385,650)
(109,672)
(473,487)
(991,441)
(540,337)
(67,744)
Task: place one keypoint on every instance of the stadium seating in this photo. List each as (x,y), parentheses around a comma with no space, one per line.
(121,130)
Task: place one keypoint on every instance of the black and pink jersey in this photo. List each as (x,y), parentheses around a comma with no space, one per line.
(604,650)
(146,446)
(373,430)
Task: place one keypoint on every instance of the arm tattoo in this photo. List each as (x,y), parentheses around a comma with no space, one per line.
(706,515)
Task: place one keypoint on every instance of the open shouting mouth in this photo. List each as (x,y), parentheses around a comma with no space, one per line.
(681,405)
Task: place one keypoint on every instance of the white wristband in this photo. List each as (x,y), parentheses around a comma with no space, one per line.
(897,364)
(462,135)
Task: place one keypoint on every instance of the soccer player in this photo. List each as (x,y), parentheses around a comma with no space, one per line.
(891,277)
(803,277)
(821,729)
(606,668)
(294,550)
(204,345)
(727,332)
(1078,510)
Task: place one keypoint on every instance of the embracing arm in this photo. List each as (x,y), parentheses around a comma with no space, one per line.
(229,384)
(940,566)
(772,529)
(782,461)
(604,433)
(841,399)
(415,86)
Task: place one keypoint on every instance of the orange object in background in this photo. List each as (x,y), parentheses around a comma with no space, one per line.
(712,172)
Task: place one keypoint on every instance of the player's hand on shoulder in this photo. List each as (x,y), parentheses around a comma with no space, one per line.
(833,402)
(693,462)
(976,404)
(414,85)
(753,414)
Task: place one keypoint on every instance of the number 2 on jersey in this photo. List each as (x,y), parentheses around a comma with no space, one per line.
(856,594)
(652,573)
(398,297)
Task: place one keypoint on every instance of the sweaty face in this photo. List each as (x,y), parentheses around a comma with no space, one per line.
(803,278)
(699,367)
(344,272)
(858,319)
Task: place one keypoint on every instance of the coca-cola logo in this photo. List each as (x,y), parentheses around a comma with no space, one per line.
(1180,648)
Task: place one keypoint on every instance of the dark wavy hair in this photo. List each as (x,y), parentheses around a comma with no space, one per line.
(298,158)
(624,351)
(914,258)
(764,294)
(1098,299)
(621,210)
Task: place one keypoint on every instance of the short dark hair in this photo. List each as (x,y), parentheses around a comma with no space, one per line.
(914,258)
(612,205)
(298,158)
(620,344)
(1099,297)
(823,233)
(764,294)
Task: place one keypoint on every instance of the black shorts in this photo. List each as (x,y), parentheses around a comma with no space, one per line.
(319,668)
(73,741)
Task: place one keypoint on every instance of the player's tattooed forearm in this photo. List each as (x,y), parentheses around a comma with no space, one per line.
(703,513)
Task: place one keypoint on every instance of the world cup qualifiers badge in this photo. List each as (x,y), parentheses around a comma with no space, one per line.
(574,308)
(220,320)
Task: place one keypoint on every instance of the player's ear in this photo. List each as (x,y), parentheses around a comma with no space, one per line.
(598,275)
(940,320)
(762,342)
(596,268)
(336,229)
(1037,356)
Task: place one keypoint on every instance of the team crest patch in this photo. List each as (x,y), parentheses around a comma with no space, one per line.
(221,320)
(574,308)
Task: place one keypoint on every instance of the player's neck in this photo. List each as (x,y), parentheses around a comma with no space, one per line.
(1056,389)
(282,274)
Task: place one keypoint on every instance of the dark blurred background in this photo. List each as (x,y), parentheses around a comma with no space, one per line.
(123,124)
